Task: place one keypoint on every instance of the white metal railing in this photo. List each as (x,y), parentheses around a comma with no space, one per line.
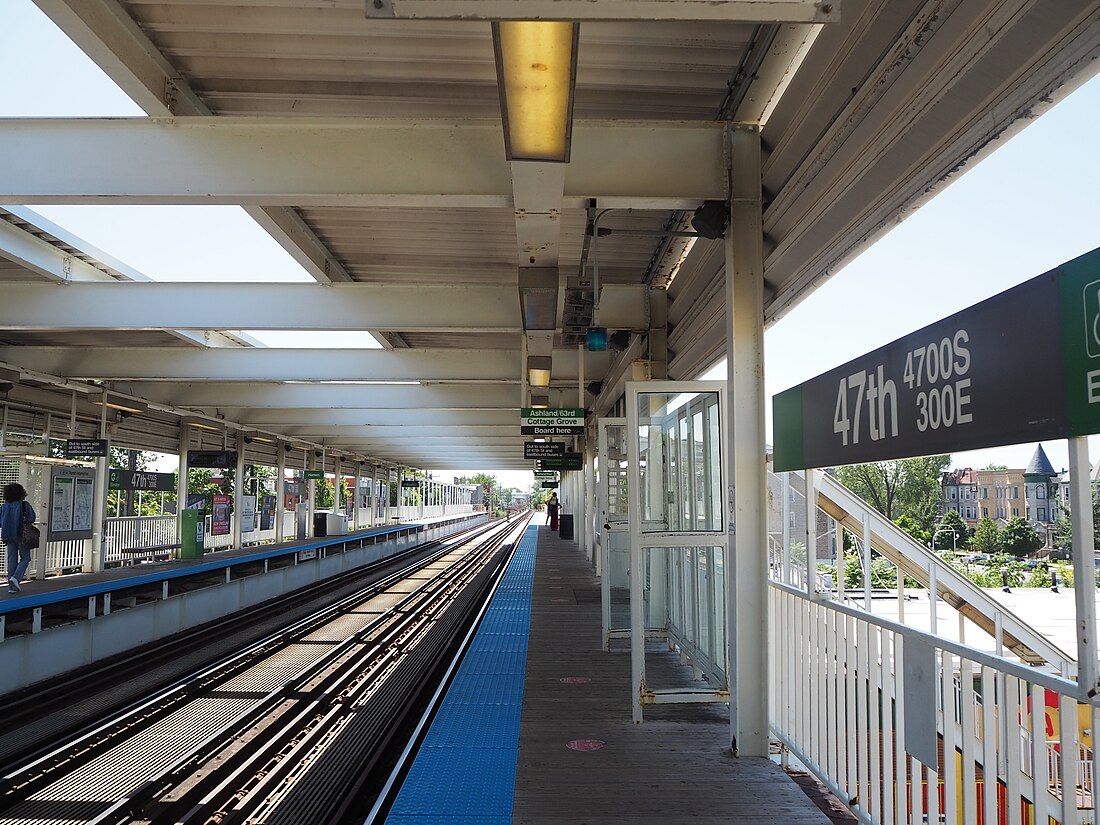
(839,690)
(127,534)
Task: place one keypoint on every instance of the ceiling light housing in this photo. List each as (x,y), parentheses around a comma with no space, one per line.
(536,77)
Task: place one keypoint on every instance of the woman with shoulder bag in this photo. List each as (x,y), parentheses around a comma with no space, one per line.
(14,513)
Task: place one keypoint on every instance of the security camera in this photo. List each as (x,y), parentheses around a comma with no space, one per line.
(317,453)
(6,387)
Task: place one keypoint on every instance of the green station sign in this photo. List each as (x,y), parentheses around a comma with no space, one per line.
(1021,366)
(551,421)
(569,461)
(315,475)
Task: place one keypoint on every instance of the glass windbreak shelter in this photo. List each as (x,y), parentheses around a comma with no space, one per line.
(613,527)
(678,532)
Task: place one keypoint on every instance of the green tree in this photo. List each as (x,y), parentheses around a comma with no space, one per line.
(901,487)
(987,536)
(487,482)
(914,528)
(951,532)
(1019,538)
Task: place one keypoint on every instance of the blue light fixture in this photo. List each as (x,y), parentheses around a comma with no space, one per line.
(596,339)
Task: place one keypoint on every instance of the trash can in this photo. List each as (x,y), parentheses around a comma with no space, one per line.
(192,532)
(565,526)
(320,525)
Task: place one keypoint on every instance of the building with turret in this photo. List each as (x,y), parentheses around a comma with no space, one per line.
(1031,493)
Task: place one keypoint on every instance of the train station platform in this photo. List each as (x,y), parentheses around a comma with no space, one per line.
(547,737)
(64,622)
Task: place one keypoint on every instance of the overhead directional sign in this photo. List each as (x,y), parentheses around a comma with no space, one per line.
(569,461)
(215,459)
(1021,366)
(84,447)
(542,449)
(552,421)
(546,475)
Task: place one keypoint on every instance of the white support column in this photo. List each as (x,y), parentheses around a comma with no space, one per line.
(811,531)
(1084,568)
(181,481)
(785,557)
(747,600)
(591,509)
(99,506)
(867,565)
(358,496)
(311,489)
(280,493)
(337,471)
(238,490)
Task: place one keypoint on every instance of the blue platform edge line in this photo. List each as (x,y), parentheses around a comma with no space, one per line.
(465,770)
(185,568)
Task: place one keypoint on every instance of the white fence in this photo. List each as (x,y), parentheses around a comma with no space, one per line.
(135,538)
(840,682)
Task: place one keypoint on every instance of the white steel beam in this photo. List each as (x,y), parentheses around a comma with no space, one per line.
(734,11)
(352,162)
(270,364)
(45,259)
(61,267)
(120,305)
(269,401)
(787,51)
(413,417)
(382,432)
(106,33)
(171,364)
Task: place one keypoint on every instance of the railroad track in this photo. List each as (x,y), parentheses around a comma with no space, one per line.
(295,729)
(42,713)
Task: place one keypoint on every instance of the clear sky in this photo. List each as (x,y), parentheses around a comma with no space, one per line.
(1027,208)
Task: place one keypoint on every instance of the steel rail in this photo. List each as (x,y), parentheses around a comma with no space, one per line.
(228,793)
(32,704)
(385,798)
(145,713)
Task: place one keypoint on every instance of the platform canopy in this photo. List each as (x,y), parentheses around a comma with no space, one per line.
(367,139)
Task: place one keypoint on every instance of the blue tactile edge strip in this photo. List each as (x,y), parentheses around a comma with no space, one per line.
(465,771)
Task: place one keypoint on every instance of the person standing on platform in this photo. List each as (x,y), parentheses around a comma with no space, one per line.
(14,513)
(552,508)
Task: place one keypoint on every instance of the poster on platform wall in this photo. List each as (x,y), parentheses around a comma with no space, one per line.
(72,499)
(267,513)
(248,514)
(219,521)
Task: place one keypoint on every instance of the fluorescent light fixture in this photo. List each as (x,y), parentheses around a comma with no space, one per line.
(536,76)
(118,402)
(203,424)
(538,370)
(540,402)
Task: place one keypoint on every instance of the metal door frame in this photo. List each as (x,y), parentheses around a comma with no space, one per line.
(641,542)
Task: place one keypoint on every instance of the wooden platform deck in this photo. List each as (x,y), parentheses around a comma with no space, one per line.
(676,767)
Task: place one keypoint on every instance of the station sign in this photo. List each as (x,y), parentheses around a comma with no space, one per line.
(1022,366)
(315,475)
(569,461)
(86,447)
(407,483)
(550,485)
(542,449)
(212,459)
(551,421)
(546,475)
(141,480)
